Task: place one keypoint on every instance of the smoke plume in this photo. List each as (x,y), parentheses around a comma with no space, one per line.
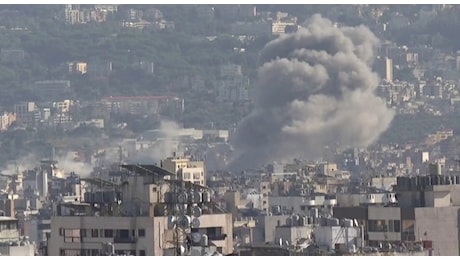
(68,163)
(20,165)
(315,87)
(166,141)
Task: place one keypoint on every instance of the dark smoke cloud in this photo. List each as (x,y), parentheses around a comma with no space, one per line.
(315,88)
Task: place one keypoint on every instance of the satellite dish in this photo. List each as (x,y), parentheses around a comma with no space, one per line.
(195,223)
(171,222)
(196,237)
(195,197)
(196,212)
(182,198)
(182,208)
(184,222)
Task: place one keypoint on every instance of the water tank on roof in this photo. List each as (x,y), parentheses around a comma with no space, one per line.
(206,196)
(204,240)
(333,222)
(301,221)
(315,213)
(295,220)
(289,221)
(348,223)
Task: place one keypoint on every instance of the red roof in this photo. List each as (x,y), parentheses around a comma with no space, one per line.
(136,98)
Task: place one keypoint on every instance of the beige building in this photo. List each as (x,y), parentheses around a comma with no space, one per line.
(6,120)
(143,220)
(144,235)
(186,169)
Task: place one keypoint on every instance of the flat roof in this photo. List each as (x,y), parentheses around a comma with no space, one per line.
(6,218)
(137,98)
(146,169)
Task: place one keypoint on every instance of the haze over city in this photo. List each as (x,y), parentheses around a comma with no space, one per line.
(229,130)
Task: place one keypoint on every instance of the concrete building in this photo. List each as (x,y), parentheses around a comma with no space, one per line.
(11,243)
(439,225)
(388,70)
(365,199)
(137,221)
(186,169)
(142,105)
(6,120)
(337,238)
(25,112)
(52,90)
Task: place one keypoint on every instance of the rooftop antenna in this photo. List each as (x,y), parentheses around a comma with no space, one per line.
(120,156)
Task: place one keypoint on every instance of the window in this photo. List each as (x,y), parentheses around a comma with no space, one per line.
(94,233)
(123,233)
(108,233)
(397,226)
(142,252)
(72,236)
(141,232)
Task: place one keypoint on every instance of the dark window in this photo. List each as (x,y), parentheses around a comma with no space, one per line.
(142,252)
(397,226)
(141,232)
(94,233)
(123,233)
(108,233)
(44,226)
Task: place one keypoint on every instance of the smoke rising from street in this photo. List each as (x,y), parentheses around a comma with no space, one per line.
(315,87)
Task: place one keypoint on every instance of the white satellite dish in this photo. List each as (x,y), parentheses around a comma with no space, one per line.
(171,222)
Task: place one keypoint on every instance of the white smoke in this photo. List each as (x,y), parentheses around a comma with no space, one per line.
(20,165)
(68,163)
(166,143)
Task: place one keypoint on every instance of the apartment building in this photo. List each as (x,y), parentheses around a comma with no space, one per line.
(140,218)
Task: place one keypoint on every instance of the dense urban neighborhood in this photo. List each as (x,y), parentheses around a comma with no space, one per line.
(229,130)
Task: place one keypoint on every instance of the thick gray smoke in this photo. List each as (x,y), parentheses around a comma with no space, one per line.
(315,88)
